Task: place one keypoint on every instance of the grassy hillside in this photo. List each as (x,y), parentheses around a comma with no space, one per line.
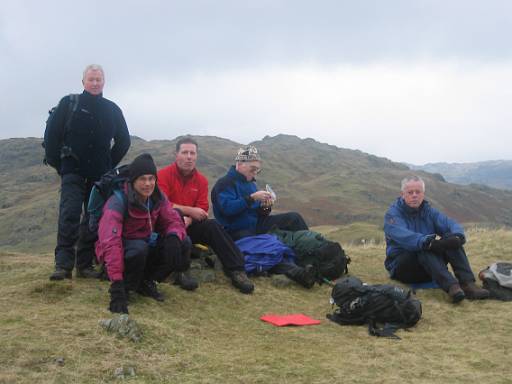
(50,331)
(327,184)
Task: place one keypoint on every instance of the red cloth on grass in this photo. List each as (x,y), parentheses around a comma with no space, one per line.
(293,319)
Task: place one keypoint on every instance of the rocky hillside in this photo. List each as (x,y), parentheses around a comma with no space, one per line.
(327,184)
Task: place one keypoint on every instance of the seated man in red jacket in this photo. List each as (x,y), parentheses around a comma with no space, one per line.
(187,189)
(141,239)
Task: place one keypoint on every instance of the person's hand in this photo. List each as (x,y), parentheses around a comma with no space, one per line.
(452,242)
(172,242)
(198,214)
(118,299)
(261,196)
(436,246)
(187,220)
(443,245)
(267,203)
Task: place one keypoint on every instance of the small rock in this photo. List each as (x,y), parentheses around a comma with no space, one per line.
(123,326)
(59,361)
(123,372)
(203,275)
(119,373)
(280,281)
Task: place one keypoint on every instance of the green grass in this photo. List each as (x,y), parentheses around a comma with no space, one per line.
(214,335)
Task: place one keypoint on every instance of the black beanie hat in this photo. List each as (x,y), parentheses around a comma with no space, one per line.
(142,165)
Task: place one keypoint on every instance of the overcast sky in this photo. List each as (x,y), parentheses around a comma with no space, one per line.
(414,81)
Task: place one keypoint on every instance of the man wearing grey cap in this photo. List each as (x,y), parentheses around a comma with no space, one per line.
(241,207)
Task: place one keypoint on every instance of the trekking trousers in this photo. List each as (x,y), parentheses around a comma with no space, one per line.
(211,233)
(71,232)
(424,266)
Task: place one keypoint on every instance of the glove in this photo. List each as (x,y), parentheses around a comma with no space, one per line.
(118,299)
(436,246)
(452,242)
(172,242)
(440,246)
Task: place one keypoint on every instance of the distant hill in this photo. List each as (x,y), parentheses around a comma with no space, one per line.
(327,184)
(496,173)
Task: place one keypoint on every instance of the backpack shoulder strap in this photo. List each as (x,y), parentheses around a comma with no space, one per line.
(122,198)
(72,108)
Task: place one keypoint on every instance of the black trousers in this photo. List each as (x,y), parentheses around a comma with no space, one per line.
(142,262)
(211,233)
(71,231)
(422,267)
(290,221)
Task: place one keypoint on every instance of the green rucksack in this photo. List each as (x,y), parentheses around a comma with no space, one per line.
(311,247)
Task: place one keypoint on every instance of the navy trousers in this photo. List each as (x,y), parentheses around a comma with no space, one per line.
(422,267)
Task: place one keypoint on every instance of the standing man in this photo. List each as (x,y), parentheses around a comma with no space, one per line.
(78,144)
(187,189)
(421,241)
(241,207)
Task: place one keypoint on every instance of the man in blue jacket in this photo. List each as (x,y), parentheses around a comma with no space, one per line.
(85,137)
(244,211)
(421,241)
(241,207)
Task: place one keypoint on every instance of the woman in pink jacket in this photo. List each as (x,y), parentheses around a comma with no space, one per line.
(141,239)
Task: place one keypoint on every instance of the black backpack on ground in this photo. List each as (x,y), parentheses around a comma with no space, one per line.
(388,305)
(65,151)
(328,258)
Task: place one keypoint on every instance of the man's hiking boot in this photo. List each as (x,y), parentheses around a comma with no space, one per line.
(456,293)
(240,280)
(88,273)
(304,276)
(60,274)
(148,288)
(473,292)
(185,281)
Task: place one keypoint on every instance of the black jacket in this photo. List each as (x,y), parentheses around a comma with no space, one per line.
(92,127)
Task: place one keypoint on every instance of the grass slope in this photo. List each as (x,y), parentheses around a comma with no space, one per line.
(214,334)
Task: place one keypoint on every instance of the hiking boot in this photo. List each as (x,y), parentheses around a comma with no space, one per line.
(185,281)
(88,273)
(456,293)
(148,288)
(304,276)
(240,280)
(60,274)
(473,292)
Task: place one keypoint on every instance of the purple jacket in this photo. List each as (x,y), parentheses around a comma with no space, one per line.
(131,220)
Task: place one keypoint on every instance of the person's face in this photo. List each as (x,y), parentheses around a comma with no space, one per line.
(249,169)
(144,185)
(93,81)
(413,194)
(186,158)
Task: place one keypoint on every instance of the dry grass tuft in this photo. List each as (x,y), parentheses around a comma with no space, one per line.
(50,331)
